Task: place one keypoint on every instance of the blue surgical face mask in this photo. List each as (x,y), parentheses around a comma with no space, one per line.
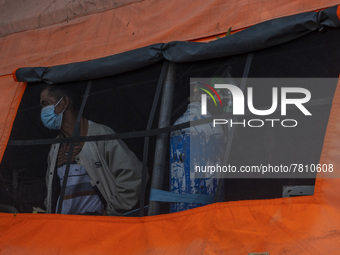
(49,118)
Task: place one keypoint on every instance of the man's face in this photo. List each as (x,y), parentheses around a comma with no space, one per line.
(46,99)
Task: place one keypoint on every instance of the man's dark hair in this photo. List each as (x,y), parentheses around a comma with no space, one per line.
(70,90)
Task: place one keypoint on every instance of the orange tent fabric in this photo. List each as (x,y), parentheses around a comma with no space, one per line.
(10,97)
(46,40)
(298,225)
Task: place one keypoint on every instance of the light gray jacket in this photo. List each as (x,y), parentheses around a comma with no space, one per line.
(112,167)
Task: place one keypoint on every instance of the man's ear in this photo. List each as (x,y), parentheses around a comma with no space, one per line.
(66,102)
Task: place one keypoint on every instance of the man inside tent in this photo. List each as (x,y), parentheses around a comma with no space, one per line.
(104,177)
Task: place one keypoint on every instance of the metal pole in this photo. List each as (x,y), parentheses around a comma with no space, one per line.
(162,140)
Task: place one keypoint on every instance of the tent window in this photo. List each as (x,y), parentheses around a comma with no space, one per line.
(123,102)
